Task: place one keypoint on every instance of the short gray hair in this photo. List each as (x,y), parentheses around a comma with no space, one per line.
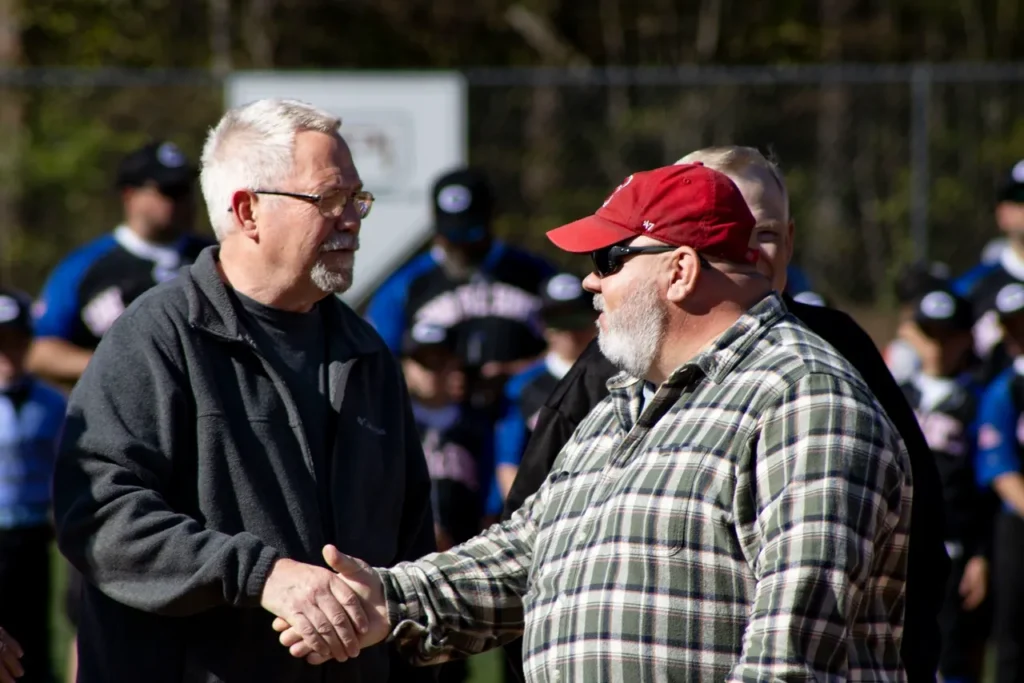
(734,160)
(253,145)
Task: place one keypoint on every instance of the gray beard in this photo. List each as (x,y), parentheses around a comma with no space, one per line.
(635,332)
(331,281)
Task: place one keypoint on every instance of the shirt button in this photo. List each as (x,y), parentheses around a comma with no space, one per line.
(556,676)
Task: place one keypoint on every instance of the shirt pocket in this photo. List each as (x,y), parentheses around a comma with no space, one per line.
(671,499)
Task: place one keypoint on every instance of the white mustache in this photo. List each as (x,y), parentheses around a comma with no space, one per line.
(598,303)
(344,240)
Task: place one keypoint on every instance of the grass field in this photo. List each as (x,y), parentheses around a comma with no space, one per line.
(485,668)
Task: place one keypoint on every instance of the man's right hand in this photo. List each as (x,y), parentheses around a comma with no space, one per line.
(319,605)
(365,582)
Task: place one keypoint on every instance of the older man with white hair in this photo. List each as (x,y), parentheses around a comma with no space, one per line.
(233,423)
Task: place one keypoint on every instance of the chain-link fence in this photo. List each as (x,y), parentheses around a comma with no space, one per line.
(884,163)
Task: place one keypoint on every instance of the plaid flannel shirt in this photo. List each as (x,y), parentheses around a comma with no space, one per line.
(750,523)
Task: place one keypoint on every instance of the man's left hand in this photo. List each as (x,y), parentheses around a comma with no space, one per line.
(10,653)
(974,584)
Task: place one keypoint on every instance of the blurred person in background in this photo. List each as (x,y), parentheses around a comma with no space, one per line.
(235,421)
(457,443)
(913,282)
(1001,466)
(946,403)
(93,285)
(982,284)
(568,318)
(10,656)
(484,290)
(31,416)
(763,187)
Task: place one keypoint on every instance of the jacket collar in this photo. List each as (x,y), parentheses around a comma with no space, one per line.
(213,307)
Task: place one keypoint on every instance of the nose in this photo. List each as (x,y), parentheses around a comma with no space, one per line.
(349,221)
(592,283)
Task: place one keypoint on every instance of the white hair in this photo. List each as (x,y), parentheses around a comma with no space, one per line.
(734,160)
(253,146)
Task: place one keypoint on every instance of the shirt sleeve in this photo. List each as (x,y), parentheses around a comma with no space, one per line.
(57,307)
(997,433)
(510,436)
(386,312)
(823,511)
(467,600)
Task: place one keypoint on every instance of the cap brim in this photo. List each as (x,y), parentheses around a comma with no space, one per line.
(588,234)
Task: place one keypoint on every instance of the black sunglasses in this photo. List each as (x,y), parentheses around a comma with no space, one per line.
(609,260)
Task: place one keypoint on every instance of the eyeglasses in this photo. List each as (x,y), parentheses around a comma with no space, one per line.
(609,260)
(332,203)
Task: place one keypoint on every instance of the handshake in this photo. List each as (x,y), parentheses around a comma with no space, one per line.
(324,614)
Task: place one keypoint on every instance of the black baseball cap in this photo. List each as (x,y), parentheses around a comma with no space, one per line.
(1012,188)
(920,278)
(15,310)
(463,205)
(565,305)
(1010,300)
(160,163)
(942,310)
(425,336)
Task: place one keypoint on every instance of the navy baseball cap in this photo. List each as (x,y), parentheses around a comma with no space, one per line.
(1010,300)
(1012,189)
(425,336)
(943,310)
(15,310)
(565,305)
(160,163)
(463,205)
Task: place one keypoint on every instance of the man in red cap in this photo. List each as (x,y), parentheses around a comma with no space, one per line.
(737,509)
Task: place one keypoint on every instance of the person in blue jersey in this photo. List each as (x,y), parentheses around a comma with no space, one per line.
(982,284)
(31,416)
(568,317)
(1000,442)
(945,401)
(96,282)
(456,443)
(93,285)
(486,291)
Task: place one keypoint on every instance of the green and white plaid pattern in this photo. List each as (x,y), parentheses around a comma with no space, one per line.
(749,524)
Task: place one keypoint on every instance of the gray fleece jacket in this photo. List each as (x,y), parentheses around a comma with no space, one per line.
(184,473)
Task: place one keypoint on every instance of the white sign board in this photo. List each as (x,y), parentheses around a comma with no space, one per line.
(404,129)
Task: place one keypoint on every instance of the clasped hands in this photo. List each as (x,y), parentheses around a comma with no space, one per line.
(324,614)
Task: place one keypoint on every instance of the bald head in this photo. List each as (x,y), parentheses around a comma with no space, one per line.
(762,186)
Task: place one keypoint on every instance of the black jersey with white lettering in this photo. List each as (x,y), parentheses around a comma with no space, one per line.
(949,426)
(93,285)
(457,443)
(493,314)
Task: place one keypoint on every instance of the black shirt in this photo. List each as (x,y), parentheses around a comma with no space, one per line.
(294,343)
(584,387)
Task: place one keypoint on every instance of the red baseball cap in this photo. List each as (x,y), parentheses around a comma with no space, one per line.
(683,205)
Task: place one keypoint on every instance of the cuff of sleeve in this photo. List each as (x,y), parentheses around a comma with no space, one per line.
(258,576)
(400,597)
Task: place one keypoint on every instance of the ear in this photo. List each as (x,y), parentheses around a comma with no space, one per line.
(685,274)
(245,207)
